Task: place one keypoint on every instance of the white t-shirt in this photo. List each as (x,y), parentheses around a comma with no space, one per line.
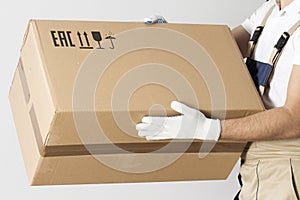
(278,22)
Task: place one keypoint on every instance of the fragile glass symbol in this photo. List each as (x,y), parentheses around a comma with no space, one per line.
(97,37)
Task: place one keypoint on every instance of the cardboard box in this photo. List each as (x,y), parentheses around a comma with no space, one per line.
(80,88)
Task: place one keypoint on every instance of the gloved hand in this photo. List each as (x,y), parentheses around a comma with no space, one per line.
(192,124)
(155,19)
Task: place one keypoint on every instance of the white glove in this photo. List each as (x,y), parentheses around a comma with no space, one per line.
(155,19)
(192,124)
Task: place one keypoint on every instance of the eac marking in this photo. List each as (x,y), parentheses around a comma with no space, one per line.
(65,39)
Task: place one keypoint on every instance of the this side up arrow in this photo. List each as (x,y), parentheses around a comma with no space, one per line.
(86,38)
(79,37)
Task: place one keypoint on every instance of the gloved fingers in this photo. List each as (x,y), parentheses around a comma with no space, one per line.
(148,20)
(161,20)
(154,120)
(155,19)
(148,127)
(182,108)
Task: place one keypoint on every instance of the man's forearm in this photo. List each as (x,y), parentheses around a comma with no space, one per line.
(277,123)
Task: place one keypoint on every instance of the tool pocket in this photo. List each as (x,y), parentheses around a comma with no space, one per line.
(249,179)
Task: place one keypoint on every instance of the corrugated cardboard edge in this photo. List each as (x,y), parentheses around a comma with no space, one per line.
(26,34)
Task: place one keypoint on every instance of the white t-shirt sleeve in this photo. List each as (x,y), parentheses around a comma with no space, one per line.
(296,46)
(256,18)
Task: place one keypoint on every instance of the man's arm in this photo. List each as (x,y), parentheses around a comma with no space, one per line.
(277,123)
(242,38)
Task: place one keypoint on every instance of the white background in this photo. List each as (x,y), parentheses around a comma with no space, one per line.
(14,15)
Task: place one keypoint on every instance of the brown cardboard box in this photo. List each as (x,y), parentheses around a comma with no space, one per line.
(80,88)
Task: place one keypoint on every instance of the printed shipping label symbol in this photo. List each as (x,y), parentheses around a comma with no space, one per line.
(62,38)
(65,39)
(86,44)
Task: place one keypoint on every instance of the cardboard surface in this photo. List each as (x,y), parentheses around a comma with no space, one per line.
(80,88)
